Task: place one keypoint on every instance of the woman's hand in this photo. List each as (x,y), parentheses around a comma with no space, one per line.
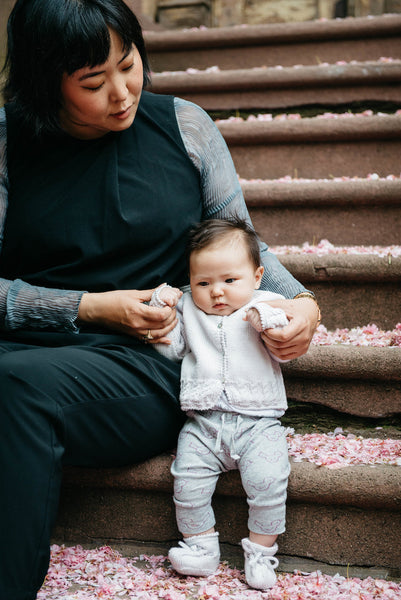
(126,311)
(293,340)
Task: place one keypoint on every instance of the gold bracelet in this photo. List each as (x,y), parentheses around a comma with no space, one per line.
(312,297)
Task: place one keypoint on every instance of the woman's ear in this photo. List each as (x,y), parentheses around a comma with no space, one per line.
(258,276)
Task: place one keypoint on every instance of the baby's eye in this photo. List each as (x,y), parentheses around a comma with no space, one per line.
(203,283)
(230,280)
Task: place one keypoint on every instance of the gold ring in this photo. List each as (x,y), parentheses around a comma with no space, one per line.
(148,336)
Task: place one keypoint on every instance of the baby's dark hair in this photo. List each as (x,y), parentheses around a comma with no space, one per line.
(213,230)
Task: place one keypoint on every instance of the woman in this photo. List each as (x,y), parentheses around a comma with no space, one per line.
(99,184)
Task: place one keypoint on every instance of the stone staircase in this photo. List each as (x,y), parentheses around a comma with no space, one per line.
(257,70)
(349,516)
(306,43)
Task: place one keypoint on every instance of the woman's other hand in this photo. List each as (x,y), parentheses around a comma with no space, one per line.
(293,340)
(126,311)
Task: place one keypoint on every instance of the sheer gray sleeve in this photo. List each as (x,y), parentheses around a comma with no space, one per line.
(222,194)
(23,306)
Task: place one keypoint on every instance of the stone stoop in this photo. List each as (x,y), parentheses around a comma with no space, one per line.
(272,87)
(282,65)
(341,211)
(353,290)
(285,44)
(348,516)
(316,148)
(363,381)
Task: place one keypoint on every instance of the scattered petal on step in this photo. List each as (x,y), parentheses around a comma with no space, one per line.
(336,450)
(291,116)
(324,247)
(79,574)
(368,335)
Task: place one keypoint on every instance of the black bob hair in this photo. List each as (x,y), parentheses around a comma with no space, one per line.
(47,38)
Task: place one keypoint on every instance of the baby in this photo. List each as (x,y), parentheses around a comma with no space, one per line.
(233,392)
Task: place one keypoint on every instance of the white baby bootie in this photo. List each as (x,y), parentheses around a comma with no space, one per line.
(198,555)
(260,563)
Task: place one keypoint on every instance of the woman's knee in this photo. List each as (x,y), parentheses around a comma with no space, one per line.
(21,393)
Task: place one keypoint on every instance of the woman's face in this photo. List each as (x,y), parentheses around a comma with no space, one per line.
(104,98)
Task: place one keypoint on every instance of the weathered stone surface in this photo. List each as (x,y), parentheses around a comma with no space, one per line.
(353,290)
(270,88)
(346,516)
(173,14)
(315,148)
(227,13)
(279,11)
(362,381)
(291,213)
(305,43)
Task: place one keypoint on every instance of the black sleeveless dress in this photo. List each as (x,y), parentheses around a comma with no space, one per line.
(110,213)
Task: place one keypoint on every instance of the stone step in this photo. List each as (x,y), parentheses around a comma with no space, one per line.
(286,87)
(307,43)
(363,381)
(349,212)
(349,516)
(316,148)
(352,289)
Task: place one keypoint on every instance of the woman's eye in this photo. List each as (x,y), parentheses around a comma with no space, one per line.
(128,67)
(94,89)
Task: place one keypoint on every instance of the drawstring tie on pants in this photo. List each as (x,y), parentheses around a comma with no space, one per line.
(217,448)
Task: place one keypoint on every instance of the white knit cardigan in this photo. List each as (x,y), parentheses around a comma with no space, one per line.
(225,354)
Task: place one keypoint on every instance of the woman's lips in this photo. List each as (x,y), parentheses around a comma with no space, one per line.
(122,114)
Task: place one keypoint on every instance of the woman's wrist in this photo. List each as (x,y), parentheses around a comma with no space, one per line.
(310,296)
(84,309)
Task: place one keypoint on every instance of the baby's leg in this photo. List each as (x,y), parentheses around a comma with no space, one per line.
(195,472)
(264,471)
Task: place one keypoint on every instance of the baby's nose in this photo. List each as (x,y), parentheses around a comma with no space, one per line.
(217,291)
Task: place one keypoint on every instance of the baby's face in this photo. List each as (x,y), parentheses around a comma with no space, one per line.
(223,277)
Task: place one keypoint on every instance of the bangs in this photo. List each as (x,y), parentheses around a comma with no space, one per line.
(87,40)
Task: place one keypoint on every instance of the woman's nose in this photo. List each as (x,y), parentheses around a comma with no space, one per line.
(119,90)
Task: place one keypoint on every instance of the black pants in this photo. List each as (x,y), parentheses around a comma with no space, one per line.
(94,402)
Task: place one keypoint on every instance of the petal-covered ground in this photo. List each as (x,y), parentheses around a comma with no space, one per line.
(324,247)
(216,68)
(103,573)
(337,450)
(366,335)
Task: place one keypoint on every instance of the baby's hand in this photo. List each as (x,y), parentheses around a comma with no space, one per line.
(170,295)
(265,317)
(165,295)
(253,317)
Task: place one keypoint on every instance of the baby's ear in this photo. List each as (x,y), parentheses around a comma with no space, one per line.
(258,276)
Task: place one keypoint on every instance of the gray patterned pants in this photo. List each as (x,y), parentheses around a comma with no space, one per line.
(213,442)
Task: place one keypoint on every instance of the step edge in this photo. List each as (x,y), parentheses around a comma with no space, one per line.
(310,130)
(261,78)
(273,33)
(322,193)
(154,476)
(347,362)
(351,268)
